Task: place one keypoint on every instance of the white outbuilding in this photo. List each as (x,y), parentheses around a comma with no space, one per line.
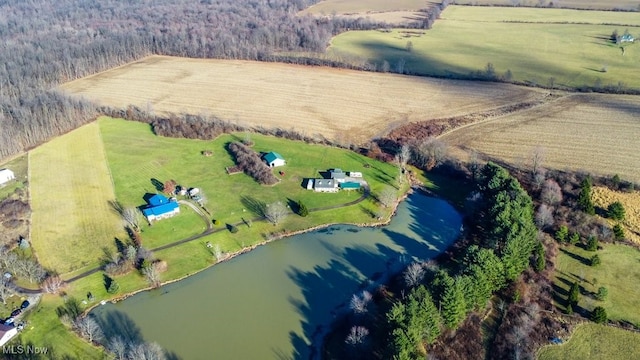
(6,175)
(7,333)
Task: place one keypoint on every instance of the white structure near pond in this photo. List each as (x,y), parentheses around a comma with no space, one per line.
(6,175)
(7,333)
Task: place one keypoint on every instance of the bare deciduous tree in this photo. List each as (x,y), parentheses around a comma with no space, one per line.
(359,304)
(388,196)
(52,284)
(132,217)
(429,153)
(6,291)
(544,216)
(30,270)
(118,347)
(357,335)
(551,193)
(89,329)
(152,274)
(413,274)
(146,351)
(537,158)
(275,212)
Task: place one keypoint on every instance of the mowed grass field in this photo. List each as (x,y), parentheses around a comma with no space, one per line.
(574,4)
(618,272)
(72,220)
(589,132)
(341,104)
(136,156)
(593,341)
(547,52)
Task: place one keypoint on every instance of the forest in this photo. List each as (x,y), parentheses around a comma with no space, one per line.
(47,43)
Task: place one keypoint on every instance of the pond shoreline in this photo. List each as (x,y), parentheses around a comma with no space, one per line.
(230,256)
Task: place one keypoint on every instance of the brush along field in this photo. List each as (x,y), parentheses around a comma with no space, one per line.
(344,105)
(574,4)
(562,48)
(593,341)
(603,197)
(590,132)
(72,220)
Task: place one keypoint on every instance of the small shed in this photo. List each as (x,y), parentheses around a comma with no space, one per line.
(273,159)
(6,175)
(627,38)
(193,192)
(355,174)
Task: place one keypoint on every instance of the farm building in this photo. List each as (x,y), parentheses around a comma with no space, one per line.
(7,333)
(6,175)
(349,185)
(325,185)
(273,159)
(160,208)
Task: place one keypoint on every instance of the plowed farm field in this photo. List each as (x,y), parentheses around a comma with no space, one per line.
(341,104)
(589,132)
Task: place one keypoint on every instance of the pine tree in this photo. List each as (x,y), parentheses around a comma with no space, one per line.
(592,243)
(561,234)
(616,211)
(584,198)
(599,315)
(574,293)
(453,305)
(302,209)
(541,262)
(618,232)
(114,287)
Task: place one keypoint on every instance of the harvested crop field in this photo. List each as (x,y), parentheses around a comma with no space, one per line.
(341,104)
(603,197)
(342,7)
(591,132)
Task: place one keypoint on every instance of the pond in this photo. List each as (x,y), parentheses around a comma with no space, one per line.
(275,301)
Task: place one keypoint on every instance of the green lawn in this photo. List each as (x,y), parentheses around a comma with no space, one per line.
(619,273)
(19,166)
(183,225)
(593,341)
(136,156)
(466,39)
(574,4)
(71,190)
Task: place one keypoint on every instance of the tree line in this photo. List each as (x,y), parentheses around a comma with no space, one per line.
(45,44)
(503,252)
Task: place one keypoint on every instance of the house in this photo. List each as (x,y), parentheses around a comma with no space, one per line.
(325,185)
(7,333)
(273,159)
(355,174)
(338,175)
(6,175)
(626,38)
(349,185)
(159,207)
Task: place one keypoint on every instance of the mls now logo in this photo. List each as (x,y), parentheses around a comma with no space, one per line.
(22,349)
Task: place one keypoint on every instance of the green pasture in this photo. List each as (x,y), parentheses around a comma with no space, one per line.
(19,166)
(186,223)
(541,15)
(558,55)
(138,159)
(593,341)
(619,273)
(574,4)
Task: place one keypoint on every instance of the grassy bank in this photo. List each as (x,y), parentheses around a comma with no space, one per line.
(593,341)
(618,272)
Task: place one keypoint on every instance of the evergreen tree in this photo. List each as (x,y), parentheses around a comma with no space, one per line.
(599,315)
(616,211)
(618,232)
(595,260)
(574,293)
(584,198)
(114,287)
(602,293)
(561,234)
(592,243)
(541,262)
(574,238)
(302,209)
(453,305)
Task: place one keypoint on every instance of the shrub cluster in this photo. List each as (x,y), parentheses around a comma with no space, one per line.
(251,163)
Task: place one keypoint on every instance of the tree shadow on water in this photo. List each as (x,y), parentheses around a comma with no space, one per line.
(327,290)
(116,323)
